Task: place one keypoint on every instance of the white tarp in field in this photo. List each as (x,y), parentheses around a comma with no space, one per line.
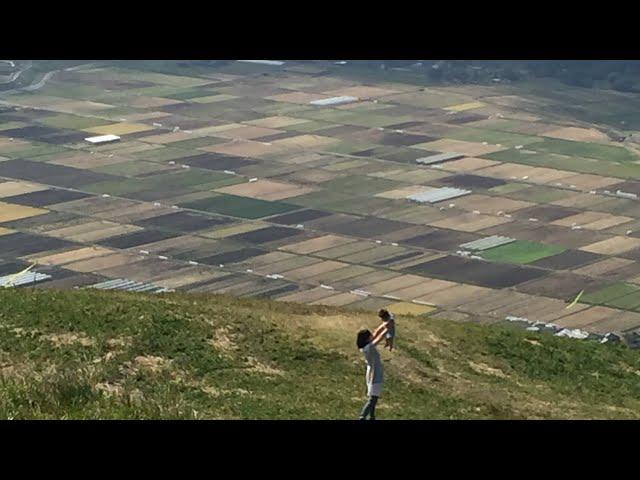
(102,139)
(334,100)
(273,63)
(434,195)
(488,242)
(439,158)
(26,278)
(128,286)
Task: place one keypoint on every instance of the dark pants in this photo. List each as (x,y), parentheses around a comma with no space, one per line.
(369,409)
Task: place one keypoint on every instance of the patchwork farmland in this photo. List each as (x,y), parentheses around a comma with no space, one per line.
(474,203)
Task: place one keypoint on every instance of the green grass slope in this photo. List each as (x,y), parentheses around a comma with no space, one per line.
(89,354)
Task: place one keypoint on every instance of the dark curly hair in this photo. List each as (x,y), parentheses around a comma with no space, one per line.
(363,338)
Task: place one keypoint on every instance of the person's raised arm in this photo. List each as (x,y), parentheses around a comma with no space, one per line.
(377,331)
(380,333)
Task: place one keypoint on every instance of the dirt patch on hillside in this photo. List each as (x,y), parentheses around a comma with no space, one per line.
(216,392)
(146,363)
(119,342)
(223,342)
(66,339)
(110,389)
(257,366)
(485,369)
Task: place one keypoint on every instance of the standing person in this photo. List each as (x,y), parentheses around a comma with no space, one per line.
(366,342)
(389,320)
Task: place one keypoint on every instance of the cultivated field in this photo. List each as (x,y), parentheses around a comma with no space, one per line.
(229,180)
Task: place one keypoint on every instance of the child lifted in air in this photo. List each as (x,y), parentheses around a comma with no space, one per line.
(389,322)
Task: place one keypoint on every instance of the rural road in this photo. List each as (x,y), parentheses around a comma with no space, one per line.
(41,83)
(15,75)
(38,85)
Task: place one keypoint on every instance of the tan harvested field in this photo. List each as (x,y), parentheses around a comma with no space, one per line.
(277,121)
(604,266)
(606,223)
(454,296)
(619,322)
(234,229)
(411,175)
(319,268)
(316,244)
(613,246)
(304,141)
(578,134)
(297,261)
(360,92)
(346,165)
(9,189)
(403,192)
(70,256)
(468,164)
(420,290)
(510,171)
(103,262)
(308,296)
(244,148)
(587,218)
(311,176)
(10,211)
(490,205)
(470,222)
(369,256)
(397,283)
(543,176)
(93,231)
(246,132)
(586,317)
(589,182)
(103,233)
(338,300)
(178,281)
(578,200)
(134,213)
(87,160)
(341,274)
(298,97)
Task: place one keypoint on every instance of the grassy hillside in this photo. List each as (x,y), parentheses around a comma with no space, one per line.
(90,354)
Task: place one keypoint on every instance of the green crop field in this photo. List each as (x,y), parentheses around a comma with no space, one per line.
(610,293)
(585,149)
(242,207)
(169,181)
(628,302)
(521,251)
(492,137)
